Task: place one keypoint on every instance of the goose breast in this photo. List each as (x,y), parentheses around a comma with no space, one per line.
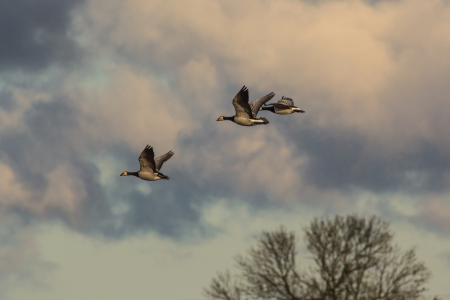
(150,176)
(243,121)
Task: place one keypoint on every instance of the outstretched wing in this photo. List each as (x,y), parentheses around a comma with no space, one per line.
(240,103)
(255,105)
(163,158)
(286,101)
(147,160)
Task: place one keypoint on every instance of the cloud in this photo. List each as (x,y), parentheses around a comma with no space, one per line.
(6,101)
(371,75)
(35,34)
(20,262)
(435,215)
(44,171)
(161,73)
(360,71)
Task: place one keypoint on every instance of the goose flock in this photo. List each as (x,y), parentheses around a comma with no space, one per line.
(245,116)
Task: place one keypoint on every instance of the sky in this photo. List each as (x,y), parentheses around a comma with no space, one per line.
(85,85)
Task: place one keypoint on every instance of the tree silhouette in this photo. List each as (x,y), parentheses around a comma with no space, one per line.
(353,258)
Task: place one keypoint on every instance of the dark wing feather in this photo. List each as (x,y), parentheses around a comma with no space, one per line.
(286,101)
(255,105)
(147,160)
(163,158)
(240,103)
(279,105)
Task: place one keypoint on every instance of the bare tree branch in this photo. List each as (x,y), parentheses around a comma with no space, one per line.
(270,268)
(221,288)
(354,260)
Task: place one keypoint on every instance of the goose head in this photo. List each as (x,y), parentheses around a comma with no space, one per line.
(124,174)
(222,118)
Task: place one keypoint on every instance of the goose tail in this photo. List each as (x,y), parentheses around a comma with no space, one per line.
(263,121)
(162,176)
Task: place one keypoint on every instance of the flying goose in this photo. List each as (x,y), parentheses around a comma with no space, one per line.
(284,106)
(150,166)
(245,112)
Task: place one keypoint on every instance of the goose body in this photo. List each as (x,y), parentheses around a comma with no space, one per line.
(149,166)
(284,106)
(246,112)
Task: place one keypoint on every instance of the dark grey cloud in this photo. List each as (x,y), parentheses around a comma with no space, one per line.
(42,147)
(167,210)
(7,102)
(172,208)
(50,140)
(46,144)
(33,34)
(339,159)
(344,159)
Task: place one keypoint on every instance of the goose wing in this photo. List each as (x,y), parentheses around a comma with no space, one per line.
(280,105)
(163,158)
(286,101)
(255,105)
(147,160)
(240,103)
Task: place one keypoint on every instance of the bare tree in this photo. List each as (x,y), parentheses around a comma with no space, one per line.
(353,259)
(397,277)
(343,250)
(269,271)
(222,288)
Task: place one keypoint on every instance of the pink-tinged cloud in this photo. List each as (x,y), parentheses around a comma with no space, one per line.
(372,78)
